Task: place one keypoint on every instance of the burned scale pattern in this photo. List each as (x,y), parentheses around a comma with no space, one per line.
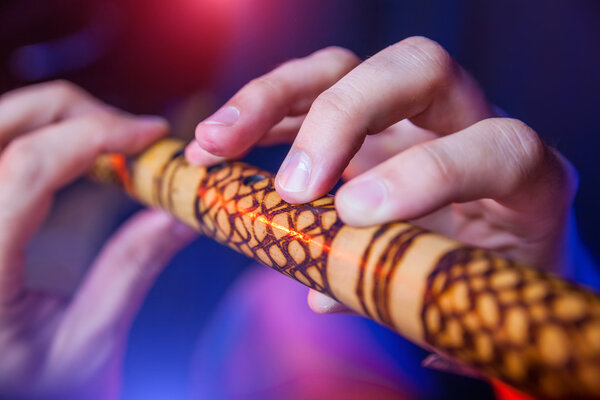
(237,204)
(534,331)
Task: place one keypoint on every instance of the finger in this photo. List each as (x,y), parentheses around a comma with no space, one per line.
(196,155)
(444,364)
(284,132)
(323,304)
(379,148)
(414,79)
(109,298)
(29,108)
(257,107)
(33,166)
(497,158)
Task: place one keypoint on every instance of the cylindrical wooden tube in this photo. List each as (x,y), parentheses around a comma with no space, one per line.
(523,326)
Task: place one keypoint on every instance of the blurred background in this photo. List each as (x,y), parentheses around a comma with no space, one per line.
(537,60)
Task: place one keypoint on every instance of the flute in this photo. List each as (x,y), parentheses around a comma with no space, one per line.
(523,326)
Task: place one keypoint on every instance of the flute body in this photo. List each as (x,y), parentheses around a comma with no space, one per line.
(528,328)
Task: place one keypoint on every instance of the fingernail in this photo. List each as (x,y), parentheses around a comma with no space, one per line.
(365,195)
(295,173)
(198,157)
(225,116)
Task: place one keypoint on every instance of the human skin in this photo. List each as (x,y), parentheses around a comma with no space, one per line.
(52,346)
(415,139)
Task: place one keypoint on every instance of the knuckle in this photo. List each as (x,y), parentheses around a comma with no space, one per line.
(23,159)
(436,162)
(535,165)
(522,148)
(429,57)
(264,89)
(97,126)
(523,143)
(335,103)
(63,88)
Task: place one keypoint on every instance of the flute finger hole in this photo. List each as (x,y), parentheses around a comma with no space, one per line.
(216,167)
(252,179)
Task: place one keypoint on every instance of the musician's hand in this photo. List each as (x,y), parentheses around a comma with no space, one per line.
(436,151)
(53,347)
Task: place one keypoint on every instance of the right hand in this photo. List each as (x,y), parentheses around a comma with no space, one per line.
(415,138)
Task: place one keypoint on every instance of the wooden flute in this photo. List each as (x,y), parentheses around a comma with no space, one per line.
(523,326)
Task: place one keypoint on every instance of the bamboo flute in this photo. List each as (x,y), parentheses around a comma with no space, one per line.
(523,326)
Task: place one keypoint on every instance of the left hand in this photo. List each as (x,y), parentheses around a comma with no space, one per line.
(50,346)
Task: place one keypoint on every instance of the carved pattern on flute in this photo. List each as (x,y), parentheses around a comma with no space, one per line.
(519,324)
(251,217)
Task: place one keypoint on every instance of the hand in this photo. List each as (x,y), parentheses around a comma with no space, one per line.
(54,347)
(416,139)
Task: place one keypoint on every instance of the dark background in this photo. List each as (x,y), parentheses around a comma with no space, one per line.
(537,60)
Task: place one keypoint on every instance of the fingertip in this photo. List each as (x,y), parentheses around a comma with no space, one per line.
(346,215)
(351,218)
(293,197)
(217,134)
(359,208)
(220,141)
(295,179)
(191,153)
(152,125)
(323,304)
(141,130)
(361,202)
(210,137)
(197,156)
(405,187)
